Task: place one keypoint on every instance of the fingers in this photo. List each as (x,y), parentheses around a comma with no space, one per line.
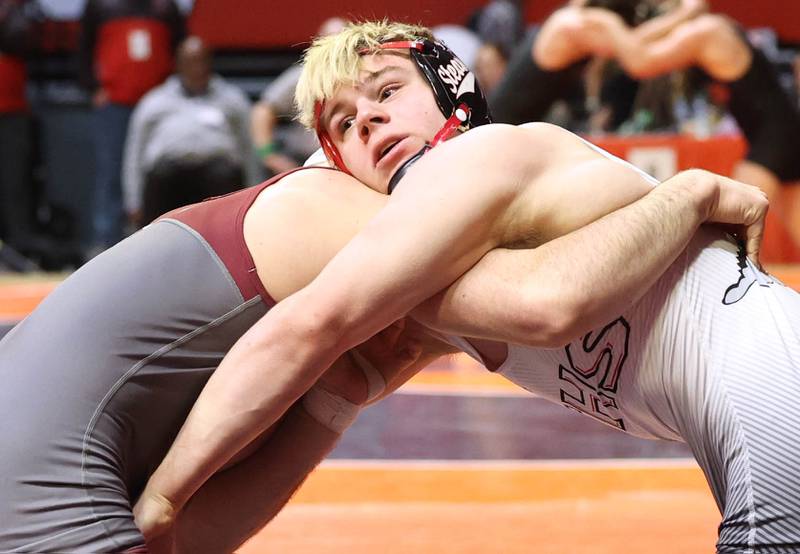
(744,206)
(753,245)
(754,230)
(753,236)
(738,203)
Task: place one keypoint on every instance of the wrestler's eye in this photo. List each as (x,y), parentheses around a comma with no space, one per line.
(387,91)
(345,124)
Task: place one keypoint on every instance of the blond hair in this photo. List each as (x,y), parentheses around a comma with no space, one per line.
(334,60)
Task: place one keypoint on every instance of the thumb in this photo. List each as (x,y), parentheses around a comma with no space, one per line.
(753,235)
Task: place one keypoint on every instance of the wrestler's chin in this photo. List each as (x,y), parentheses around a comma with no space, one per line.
(397,157)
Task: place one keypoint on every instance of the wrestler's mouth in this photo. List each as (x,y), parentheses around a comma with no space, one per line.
(388,151)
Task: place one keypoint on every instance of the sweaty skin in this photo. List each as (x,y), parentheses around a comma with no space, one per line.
(494,186)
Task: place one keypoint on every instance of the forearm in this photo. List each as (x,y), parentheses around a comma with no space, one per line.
(568,286)
(612,34)
(239,402)
(236,503)
(606,34)
(665,23)
(643,59)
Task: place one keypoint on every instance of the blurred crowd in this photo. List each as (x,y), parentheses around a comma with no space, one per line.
(167,130)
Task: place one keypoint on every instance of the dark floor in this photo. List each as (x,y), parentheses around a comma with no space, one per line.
(461,427)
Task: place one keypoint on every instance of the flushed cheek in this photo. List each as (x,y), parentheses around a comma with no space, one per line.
(353,157)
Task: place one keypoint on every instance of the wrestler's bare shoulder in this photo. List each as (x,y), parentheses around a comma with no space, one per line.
(298,224)
(535,142)
(311,185)
(555,144)
(535,133)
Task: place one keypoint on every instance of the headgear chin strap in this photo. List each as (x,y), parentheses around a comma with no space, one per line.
(403,169)
(455,89)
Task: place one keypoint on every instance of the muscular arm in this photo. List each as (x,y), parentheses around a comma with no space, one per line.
(231,506)
(563,40)
(239,501)
(574,33)
(661,25)
(708,41)
(548,295)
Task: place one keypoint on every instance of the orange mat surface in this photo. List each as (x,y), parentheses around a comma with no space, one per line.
(554,507)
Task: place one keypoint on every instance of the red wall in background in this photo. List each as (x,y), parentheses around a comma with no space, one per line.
(271,23)
(781,15)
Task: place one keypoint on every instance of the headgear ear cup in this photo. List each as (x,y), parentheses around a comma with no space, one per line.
(452,82)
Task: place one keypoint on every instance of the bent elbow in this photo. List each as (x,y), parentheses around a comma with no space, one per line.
(561,332)
(546,323)
(303,325)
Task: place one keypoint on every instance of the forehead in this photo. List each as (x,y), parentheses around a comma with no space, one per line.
(371,63)
(373,67)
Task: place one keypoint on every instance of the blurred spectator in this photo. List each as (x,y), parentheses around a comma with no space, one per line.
(528,91)
(126,49)
(188,139)
(501,24)
(280,142)
(461,40)
(490,66)
(610,97)
(500,27)
(19,25)
(796,72)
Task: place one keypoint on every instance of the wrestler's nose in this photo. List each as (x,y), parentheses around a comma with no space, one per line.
(369,114)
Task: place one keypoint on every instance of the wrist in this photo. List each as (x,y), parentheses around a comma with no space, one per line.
(703,189)
(154,514)
(265,150)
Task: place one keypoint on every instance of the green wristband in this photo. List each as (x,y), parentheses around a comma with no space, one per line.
(266,150)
